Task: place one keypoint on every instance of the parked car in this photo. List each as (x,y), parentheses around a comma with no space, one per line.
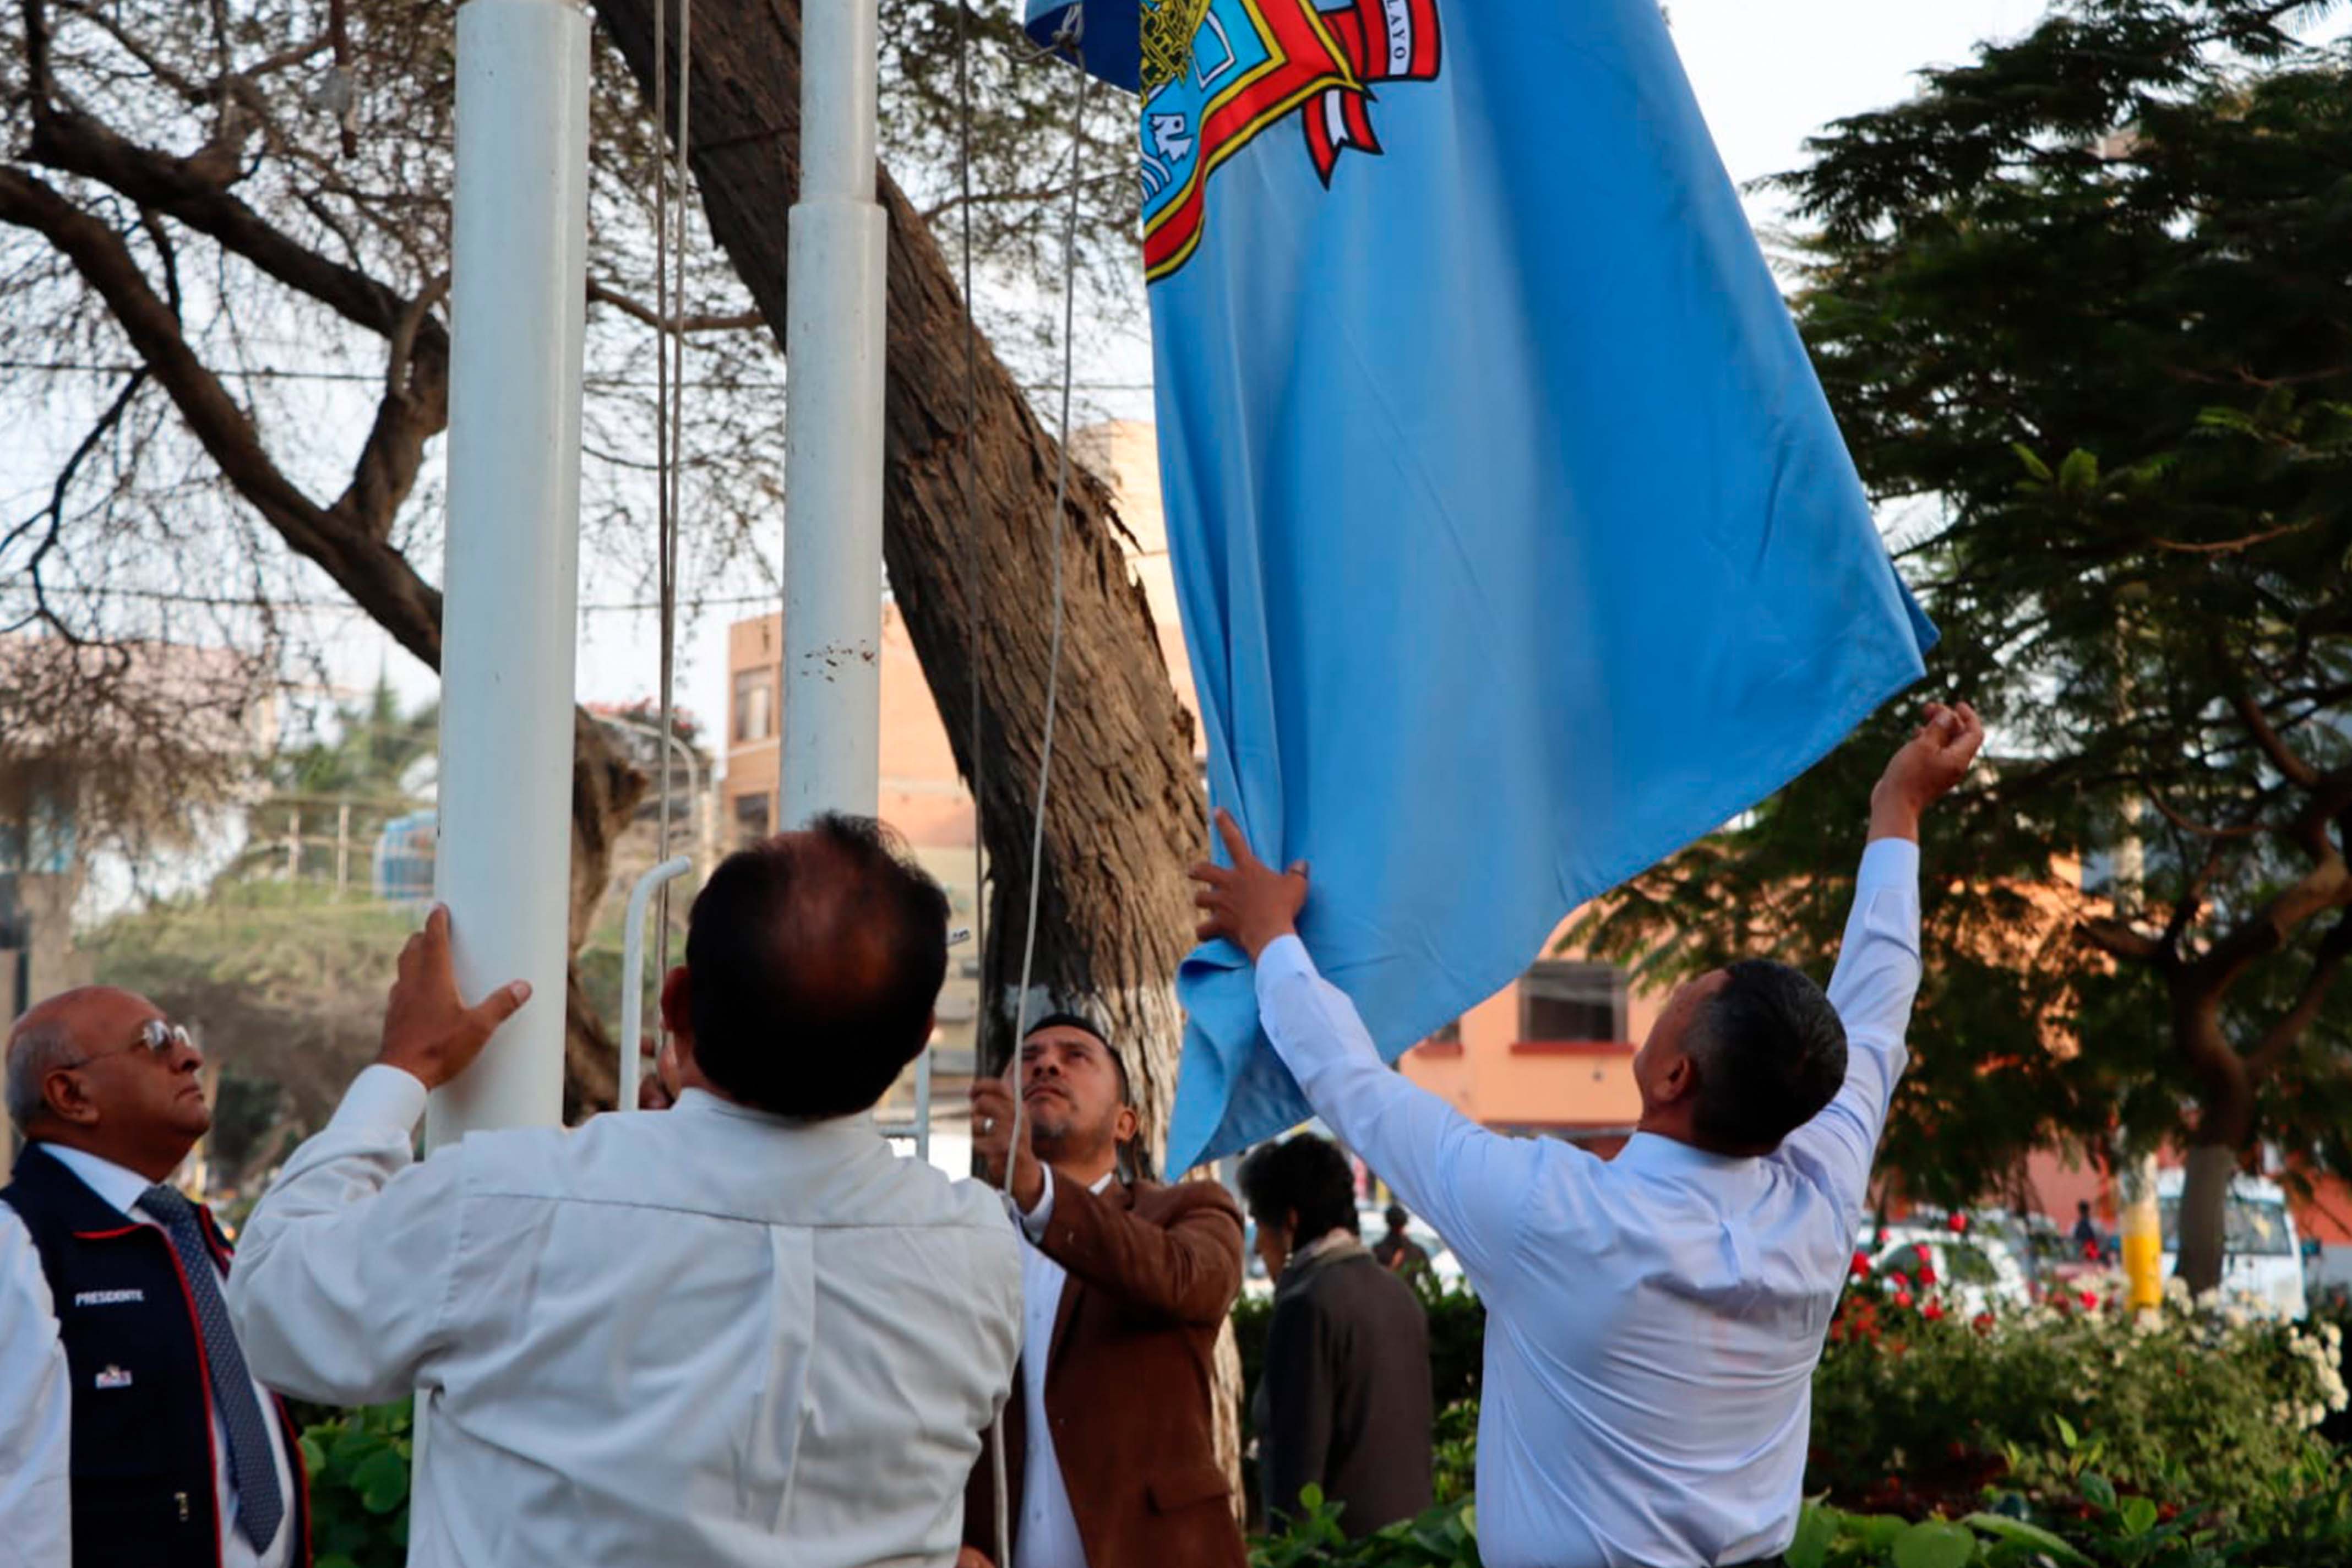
(1974,1275)
(2262,1256)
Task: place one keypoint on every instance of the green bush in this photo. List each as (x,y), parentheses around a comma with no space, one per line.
(1445,1537)
(359,1487)
(1917,1411)
(2096,1528)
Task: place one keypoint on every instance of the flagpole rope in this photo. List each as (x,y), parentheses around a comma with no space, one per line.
(670,427)
(1072,39)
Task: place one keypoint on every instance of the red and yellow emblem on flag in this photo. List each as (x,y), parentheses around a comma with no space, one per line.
(1217,72)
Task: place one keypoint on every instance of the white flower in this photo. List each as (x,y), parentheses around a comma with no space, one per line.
(2145,1321)
(2282,1413)
(2333,1334)
(2314,1416)
(2175,1290)
(2234,1317)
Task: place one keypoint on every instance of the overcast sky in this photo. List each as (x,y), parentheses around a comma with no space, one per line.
(1767,75)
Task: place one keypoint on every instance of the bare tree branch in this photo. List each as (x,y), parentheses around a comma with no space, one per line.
(2120,941)
(378,578)
(739,320)
(2283,1035)
(77,145)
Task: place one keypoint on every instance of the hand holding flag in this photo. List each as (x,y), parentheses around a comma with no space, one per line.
(1252,905)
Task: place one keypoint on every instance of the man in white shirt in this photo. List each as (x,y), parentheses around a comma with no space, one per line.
(1653,1320)
(737,1331)
(119,1368)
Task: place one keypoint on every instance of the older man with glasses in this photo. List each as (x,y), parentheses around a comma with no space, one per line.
(130,1431)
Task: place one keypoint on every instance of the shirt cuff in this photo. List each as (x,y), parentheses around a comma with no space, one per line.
(381,1100)
(1285,957)
(1888,860)
(1033,1222)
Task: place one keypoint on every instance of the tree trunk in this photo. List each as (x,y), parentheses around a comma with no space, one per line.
(2203,1215)
(2225,1129)
(1125,811)
(605,789)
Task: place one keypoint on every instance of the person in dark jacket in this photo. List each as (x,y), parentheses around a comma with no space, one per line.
(176,1457)
(1344,1403)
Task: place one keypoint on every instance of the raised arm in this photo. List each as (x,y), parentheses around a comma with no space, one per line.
(341,1286)
(1187,1269)
(1878,964)
(1470,1184)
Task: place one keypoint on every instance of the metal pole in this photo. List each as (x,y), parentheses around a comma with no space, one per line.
(511,577)
(342,847)
(633,975)
(830,755)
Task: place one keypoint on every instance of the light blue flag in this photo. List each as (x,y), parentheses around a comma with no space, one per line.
(1516,545)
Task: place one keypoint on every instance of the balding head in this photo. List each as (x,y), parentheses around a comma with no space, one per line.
(80,1073)
(814,960)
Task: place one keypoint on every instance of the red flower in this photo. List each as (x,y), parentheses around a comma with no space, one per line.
(1926,1274)
(1932,1310)
(1902,1297)
(1959,1222)
(1882,1236)
(2090,1300)
(1861,1264)
(1984,1322)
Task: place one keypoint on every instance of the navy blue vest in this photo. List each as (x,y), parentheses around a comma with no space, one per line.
(143,1431)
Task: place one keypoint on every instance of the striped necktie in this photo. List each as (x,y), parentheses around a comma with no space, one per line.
(253,1467)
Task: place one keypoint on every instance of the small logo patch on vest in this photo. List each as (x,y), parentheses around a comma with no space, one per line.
(113,1377)
(109,1297)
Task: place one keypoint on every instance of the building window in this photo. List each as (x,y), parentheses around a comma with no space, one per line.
(1448,1035)
(1563,1000)
(755,706)
(751,817)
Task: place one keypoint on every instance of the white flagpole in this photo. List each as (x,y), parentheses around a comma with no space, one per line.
(512,576)
(830,754)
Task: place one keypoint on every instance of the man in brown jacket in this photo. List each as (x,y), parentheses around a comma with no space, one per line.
(1109,1456)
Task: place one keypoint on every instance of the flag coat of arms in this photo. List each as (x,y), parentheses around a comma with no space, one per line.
(1514,543)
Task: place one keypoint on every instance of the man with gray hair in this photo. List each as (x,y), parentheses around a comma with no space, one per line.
(130,1430)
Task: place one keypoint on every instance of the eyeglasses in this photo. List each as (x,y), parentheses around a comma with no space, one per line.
(156,1035)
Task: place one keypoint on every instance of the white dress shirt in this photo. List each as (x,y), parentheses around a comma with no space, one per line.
(1653,1320)
(36,1483)
(1048,1537)
(702,1336)
(42,1505)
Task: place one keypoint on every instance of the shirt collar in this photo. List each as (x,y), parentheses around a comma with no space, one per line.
(702,1102)
(1647,1151)
(116,1185)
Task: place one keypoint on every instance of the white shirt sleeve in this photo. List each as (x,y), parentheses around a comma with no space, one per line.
(1034,1221)
(36,1480)
(1877,976)
(1471,1184)
(340,1291)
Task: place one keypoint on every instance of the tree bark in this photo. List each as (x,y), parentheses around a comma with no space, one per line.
(1125,813)
(2202,1234)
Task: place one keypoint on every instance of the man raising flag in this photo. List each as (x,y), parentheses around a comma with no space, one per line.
(1653,1320)
(1514,543)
